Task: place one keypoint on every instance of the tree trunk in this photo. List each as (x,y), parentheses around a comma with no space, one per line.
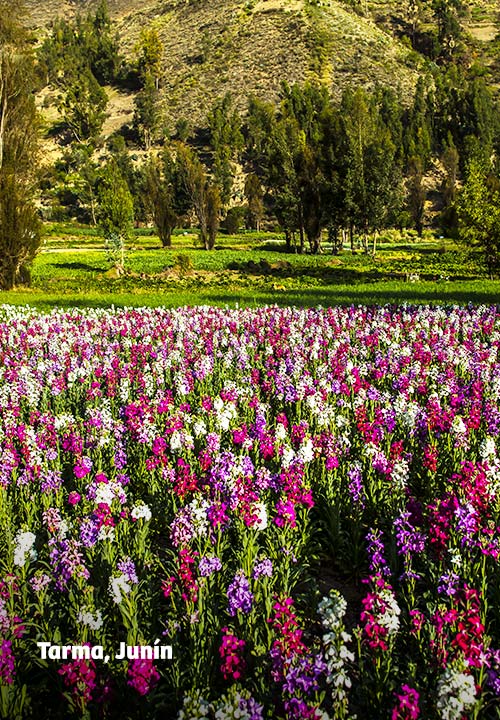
(204,236)
(166,240)
(315,243)
(301,229)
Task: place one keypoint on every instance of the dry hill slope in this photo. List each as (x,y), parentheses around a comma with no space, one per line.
(251,46)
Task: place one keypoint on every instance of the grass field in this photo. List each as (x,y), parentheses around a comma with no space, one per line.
(249,269)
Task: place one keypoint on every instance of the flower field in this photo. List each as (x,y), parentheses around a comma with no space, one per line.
(303,505)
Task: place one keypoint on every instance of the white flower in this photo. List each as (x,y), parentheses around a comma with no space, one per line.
(107,492)
(332,609)
(456,693)
(119,586)
(197,509)
(106,532)
(390,618)
(288,457)
(175,441)
(194,707)
(458,426)
(260,510)
(94,622)
(24,546)
(487,449)
(141,510)
(280,432)
(199,428)
(306,452)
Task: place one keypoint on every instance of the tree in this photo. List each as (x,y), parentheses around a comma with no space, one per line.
(450,160)
(418,136)
(160,201)
(83,106)
(294,167)
(478,210)
(358,129)
(227,140)
(259,124)
(254,195)
(19,135)
(146,112)
(150,54)
(115,209)
(104,54)
(165,199)
(414,10)
(416,193)
(213,205)
(203,195)
(85,45)
(447,14)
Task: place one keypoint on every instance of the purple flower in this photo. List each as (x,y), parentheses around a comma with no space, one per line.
(303,677)
(356,489)
(89,531)
(494,671)
(251,709)
(208,565)
(127,567)
(377,563)
(467,524)
(120,458)
(239,595)
(262,568)
(67,562)
(50,480)
(448,584)
(408,540)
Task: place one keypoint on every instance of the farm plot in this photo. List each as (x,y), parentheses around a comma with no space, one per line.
(271,513)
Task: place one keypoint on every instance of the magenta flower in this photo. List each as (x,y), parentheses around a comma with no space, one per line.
(7,663)
(142,675)
(231,653)
(83,468)
(407,707)
(74,498)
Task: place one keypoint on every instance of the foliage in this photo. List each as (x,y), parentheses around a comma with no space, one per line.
(203,195)
(115,209)
(166,199)
(147,116)
(86,45)
(479,212)
(83,106)
(224,125)
(19,137)
(149,56)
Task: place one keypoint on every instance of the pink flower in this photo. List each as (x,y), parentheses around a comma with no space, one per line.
(231,653)
(407,707)
(74,497)
(142,675)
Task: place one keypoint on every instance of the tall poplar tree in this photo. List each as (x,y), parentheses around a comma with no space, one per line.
(19,135)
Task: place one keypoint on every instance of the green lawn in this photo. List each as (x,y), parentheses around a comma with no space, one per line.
(248,269)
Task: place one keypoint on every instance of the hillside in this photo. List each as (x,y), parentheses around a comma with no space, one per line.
(250,47)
